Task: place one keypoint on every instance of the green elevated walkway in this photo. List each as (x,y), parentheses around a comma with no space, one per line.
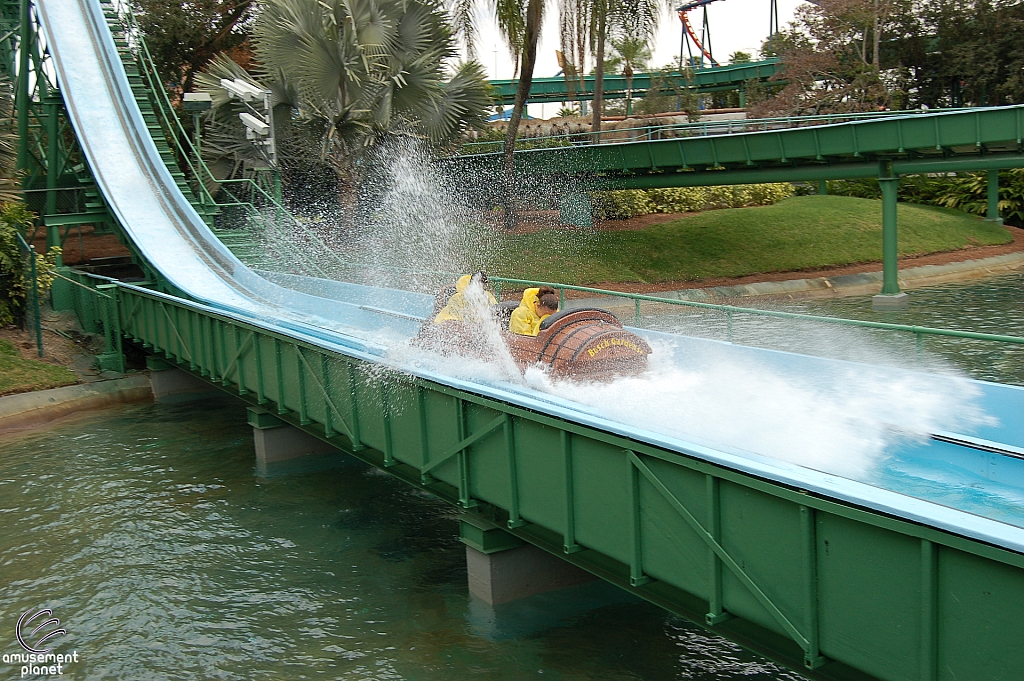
(714,79)
(706,154)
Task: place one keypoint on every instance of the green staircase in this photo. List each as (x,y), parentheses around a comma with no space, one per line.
(159,117)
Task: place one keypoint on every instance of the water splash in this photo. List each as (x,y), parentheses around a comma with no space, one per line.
(839,417)
(844,419)
(415,229)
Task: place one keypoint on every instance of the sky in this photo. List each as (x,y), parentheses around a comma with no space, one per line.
(735,25)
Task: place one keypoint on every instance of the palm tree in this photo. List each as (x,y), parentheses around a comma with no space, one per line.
(639,18)
(520,25)
(633,49)
(371,66)
(600,11)
(357,72)
(574,38)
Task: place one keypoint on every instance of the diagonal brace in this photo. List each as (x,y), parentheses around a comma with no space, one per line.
(327,398)
(238,353)
(727,560)
(465,444)
(181,341)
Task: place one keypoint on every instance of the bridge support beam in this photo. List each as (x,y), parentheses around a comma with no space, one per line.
(503,568)
(891,298)
(992,214)
(276,441)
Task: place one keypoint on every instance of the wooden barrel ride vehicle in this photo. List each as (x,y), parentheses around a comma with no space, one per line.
(584,343)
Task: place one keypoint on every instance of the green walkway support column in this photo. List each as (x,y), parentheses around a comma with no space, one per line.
(822,187)
(574,208)
(891,297)
(22,99)
(53,163)
(992,215)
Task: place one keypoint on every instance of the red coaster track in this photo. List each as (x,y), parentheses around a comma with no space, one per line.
(688,27)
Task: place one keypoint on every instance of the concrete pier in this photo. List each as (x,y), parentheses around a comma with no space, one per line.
(166,379)
(276,441)
(503,568)
(896,301)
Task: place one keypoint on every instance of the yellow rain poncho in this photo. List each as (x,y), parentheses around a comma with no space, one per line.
(460,309)
(525,321)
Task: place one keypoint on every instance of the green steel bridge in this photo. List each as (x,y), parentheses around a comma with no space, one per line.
(712,79)
(837,579)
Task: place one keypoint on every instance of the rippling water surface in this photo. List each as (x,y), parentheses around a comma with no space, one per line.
(147,532)
(994,305)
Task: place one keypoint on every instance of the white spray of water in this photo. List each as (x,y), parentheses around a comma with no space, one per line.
(497,348)
(842,421)
(417,225)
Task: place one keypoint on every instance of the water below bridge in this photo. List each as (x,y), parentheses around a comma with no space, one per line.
(148,533)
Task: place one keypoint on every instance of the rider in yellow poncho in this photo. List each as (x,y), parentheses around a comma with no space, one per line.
(537,305)
(460,309)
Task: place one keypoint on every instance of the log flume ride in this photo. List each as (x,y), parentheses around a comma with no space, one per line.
(583,344)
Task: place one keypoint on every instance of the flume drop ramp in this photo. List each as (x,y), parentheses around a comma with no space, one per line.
(908,565)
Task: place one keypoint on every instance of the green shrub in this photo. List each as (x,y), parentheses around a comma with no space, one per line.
(966,191)
(621,205)
(862,189)
(15,218)
(627,203)
(969,193)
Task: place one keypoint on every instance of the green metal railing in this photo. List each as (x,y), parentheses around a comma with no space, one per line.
(32,317)
(93,299)
(651,133)
(729,310)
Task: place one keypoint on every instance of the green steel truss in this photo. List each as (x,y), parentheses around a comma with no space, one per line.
(941,142)
(55,177)
(716,79)
(836,591)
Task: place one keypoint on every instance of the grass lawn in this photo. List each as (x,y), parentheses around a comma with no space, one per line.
(800,233)
(19,375)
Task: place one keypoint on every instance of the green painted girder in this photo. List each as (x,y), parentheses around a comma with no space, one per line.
(715,79)
(839,592)
(64,219)
(940,142)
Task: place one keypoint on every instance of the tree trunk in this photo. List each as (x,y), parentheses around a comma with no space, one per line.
(602,24)
(877,37)
(534,14)
(628,72)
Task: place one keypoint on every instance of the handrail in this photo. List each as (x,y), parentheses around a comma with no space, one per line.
(731,309)
(699,129)
(32,299)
